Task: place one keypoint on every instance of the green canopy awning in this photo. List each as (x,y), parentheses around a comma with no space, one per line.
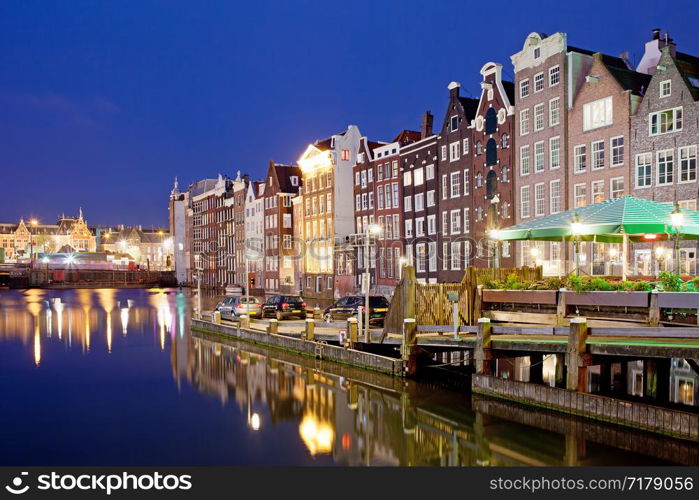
(608,221)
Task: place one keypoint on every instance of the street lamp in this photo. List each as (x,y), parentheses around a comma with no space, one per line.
(576,229)
(374,229)
(33,223)
(677,219)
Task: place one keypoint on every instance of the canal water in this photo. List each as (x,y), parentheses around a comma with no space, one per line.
(115,377)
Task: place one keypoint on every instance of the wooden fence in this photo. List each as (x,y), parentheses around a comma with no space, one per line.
(432,305)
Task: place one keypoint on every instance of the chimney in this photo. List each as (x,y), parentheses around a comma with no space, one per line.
(427,120)
(652,53)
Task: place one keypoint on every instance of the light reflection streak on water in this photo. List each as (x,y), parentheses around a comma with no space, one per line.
(87,317)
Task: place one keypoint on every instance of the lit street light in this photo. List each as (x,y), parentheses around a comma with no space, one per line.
(677,219)
(374,229)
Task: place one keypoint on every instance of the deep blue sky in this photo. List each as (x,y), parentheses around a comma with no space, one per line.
(103,103)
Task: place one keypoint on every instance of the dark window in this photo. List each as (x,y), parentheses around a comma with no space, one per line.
(491,152)
(491,121)
(454,123)
(491,184)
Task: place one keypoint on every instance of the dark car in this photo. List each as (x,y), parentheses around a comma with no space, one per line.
(351,305)
(284,306)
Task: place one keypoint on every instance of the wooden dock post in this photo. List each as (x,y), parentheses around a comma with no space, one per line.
(576,361)
(352,331)
(273,326)
(483,355)
(310,329)
(654,309)
(561,308)
(245,321)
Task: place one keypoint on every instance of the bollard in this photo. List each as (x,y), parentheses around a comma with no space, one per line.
(455,314)
(273,326)
(576,363)
(483,355)
(310,329)
(653,309)
(316,313)
(244,321)
(217,317)
(353,329)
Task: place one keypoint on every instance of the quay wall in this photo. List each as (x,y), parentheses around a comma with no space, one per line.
(366,360)
(670,422)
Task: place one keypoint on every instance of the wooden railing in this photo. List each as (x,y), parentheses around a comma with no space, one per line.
(433,306)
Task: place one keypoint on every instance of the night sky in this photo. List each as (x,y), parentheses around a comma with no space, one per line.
(102,104)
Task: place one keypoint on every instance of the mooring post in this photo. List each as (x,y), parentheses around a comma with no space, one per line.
(316,313)
(244,321)
(352,330)
(654,309)
(310,329)
(478,302)
(217,317)
(576,361)
(483,354)
(561,308)
(273,326)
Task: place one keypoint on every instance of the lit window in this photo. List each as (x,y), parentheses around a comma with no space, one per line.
(664,122)
(597,114)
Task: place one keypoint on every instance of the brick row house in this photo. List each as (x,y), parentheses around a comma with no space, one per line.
(453,197)
(492,154)
(599,127)
(664,140)
(379,200)
(281,185)
(418,162)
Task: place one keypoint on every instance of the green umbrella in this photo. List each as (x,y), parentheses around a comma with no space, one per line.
(612,221)
(608,222)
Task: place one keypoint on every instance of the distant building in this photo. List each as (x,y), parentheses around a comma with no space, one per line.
(19,241)
(149,249)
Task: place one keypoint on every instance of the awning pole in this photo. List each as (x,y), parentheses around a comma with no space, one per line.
(624,256)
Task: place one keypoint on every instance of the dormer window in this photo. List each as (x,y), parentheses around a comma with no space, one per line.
(454,123)
(345,154)
(665,88)
(294,180)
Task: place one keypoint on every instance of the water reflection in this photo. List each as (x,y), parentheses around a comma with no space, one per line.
(43,315)
(359,418)
(225,402)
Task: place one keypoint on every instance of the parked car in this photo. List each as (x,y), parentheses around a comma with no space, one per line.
(350,306)
(233,306)
(284,306)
